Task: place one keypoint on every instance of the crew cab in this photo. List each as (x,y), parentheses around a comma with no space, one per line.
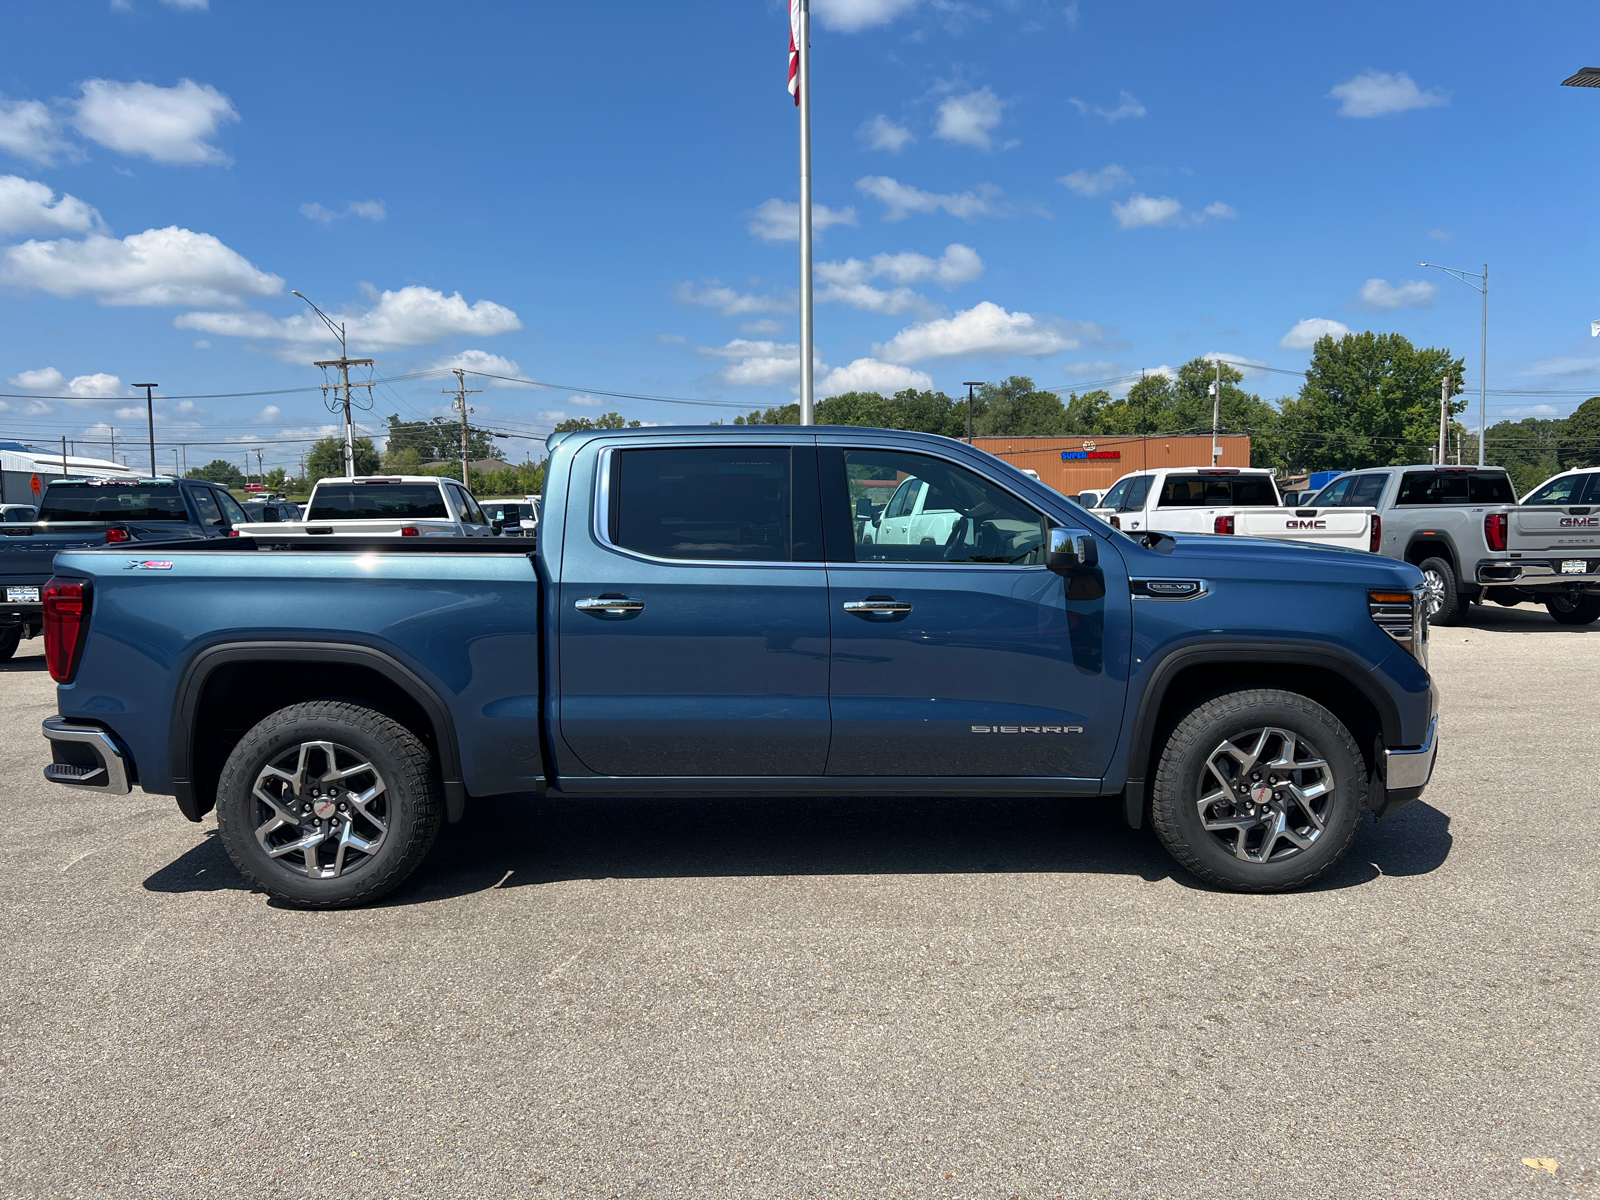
(1229,500)
(384,506)
(704,612)
(1552,549)
(75,514)
(1448,521)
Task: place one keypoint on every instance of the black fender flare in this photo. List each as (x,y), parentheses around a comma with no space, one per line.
(1456,560)
(1266,653)
(191,685)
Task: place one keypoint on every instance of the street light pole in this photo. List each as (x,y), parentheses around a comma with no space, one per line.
(344,362)
(1467,277)
(969,386)
(150,416)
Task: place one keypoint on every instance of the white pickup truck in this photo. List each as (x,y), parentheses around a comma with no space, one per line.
(382,506)
(1552,539)
(1230,500)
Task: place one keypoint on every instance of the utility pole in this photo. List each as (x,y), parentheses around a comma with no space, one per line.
(113,430)
(175,460)
(150,416)
(1216,415)
(344,362)
(261,470)
(969,385)
(63,458)
(461,391)
(1482,286)
(186,460)
(1444,419)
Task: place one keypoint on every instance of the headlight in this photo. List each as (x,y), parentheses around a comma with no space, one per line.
(1404,617)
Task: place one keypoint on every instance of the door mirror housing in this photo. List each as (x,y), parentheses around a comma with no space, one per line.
(1072,552)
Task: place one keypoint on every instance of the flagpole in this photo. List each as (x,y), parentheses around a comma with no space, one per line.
(807,358)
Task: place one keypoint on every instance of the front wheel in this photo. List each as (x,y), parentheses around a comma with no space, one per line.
(1573,608)
(328,804)
(1259,791)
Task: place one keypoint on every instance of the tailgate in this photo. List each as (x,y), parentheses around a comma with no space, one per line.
(1347,527)
(1554,529)
(28,552)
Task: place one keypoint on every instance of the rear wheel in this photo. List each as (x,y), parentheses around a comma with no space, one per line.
(9,640)
(328,804)
(1439,589)
(1573,608)
(1259,791)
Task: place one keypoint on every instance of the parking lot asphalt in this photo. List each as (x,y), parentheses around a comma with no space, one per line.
(985,998)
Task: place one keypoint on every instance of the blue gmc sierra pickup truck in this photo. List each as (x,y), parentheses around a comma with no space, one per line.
(711,610)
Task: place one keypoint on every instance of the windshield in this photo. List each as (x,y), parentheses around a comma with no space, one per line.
(377,502)
(113,502)
(1203,491)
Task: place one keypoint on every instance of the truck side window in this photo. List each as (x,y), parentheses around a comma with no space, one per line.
(1333,495)
(704,502)
(1138,493)
(206,503)
(471,514)
(1113,498)
(1364,491)
(1491,489)
(231,510)
(1561,490)
(963,518)
(904,496)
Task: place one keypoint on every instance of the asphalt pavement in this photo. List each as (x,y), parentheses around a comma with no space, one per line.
(819,998)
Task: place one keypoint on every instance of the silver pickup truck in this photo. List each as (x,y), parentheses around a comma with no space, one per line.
(1448,521)
(1552,542)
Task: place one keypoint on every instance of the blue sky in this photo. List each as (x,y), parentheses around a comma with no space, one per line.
(603,196)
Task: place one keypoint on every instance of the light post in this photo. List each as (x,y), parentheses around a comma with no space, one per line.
(1467,277)
(969,385)
(150,415)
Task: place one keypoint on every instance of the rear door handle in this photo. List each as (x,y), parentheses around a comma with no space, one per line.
(874,605)
(615,605)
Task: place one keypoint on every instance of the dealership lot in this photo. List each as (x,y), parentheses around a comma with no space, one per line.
(807,998)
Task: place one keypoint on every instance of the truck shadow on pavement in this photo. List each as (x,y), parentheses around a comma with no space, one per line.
(522,843)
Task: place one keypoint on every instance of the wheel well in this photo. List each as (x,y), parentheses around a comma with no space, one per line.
(236,695)
(1193,685)
(1424,548)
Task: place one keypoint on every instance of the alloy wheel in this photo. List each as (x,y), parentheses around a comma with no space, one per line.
(1433,586)
(322,810)
(1266,794)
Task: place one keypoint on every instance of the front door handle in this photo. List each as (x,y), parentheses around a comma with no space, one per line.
(615,605)
(877,605)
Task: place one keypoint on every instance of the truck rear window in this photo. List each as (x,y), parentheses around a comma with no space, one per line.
(113,502)
(377,502)
(1213,491)
(1455,487)
(723,502)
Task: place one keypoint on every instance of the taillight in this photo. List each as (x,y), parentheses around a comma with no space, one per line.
(115,535)
(66,625)
(1376,539)
(1116,522)
(1222,525)
(233,533)
(409,531)
(1494,530)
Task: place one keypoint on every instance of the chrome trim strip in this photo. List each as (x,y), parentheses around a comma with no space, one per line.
(59,729)
(1205,588)
(1412,768)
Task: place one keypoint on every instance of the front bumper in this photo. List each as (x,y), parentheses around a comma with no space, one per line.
(1407,772)
(86,757)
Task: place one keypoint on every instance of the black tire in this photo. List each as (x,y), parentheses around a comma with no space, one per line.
(408,801)
(1440,578)
(1573,608)
(1183,779)
(10,639)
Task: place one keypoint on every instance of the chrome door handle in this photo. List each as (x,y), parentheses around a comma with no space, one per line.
(615,605)
(877,604)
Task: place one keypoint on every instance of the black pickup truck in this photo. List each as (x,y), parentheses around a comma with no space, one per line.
(77,514)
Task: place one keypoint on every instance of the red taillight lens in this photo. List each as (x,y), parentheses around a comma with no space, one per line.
(1116,522)
(1222,525)
(1376,539)
(66,624)
(233,533)
(1494,530)
(409,531)
(116,535)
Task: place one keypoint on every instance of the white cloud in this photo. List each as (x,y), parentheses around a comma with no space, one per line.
(1092,183)
(870,375)
(158,266)
(849,281)
(1306,333)
(587,401)
(730,303)
(45,379)
(985,331)
(270,413)
(671,339)
(852,16)
(1379,295)
(50,382)
(411,316)
(1099,368)
(1532,410)
(967,120)
(765,325)
(1146,212)
(758,363)
(168,125)
(28,130)
(29,207)
(779,220)
(1564,366)
(1127,106)
(201,344)
(1440,235)
(189,5)
(880,133)
(900,199)
(369,210)
(1248,367)
(1377,94)
(484,362)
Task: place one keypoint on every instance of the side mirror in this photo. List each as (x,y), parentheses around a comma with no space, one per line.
(1071,552)
(497,525)
(864,508)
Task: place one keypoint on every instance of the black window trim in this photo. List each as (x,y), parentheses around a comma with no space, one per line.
(603,511)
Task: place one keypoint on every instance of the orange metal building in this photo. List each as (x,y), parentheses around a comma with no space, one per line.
(1075,464)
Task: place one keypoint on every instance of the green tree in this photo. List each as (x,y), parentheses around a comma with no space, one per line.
(1372,399)
(276,478)
(788,414)
(1580,436)
(326,460)
(219,470)
(436,440)
(1016,408)
(608,420)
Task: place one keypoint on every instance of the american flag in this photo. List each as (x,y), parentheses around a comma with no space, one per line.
(794,51)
